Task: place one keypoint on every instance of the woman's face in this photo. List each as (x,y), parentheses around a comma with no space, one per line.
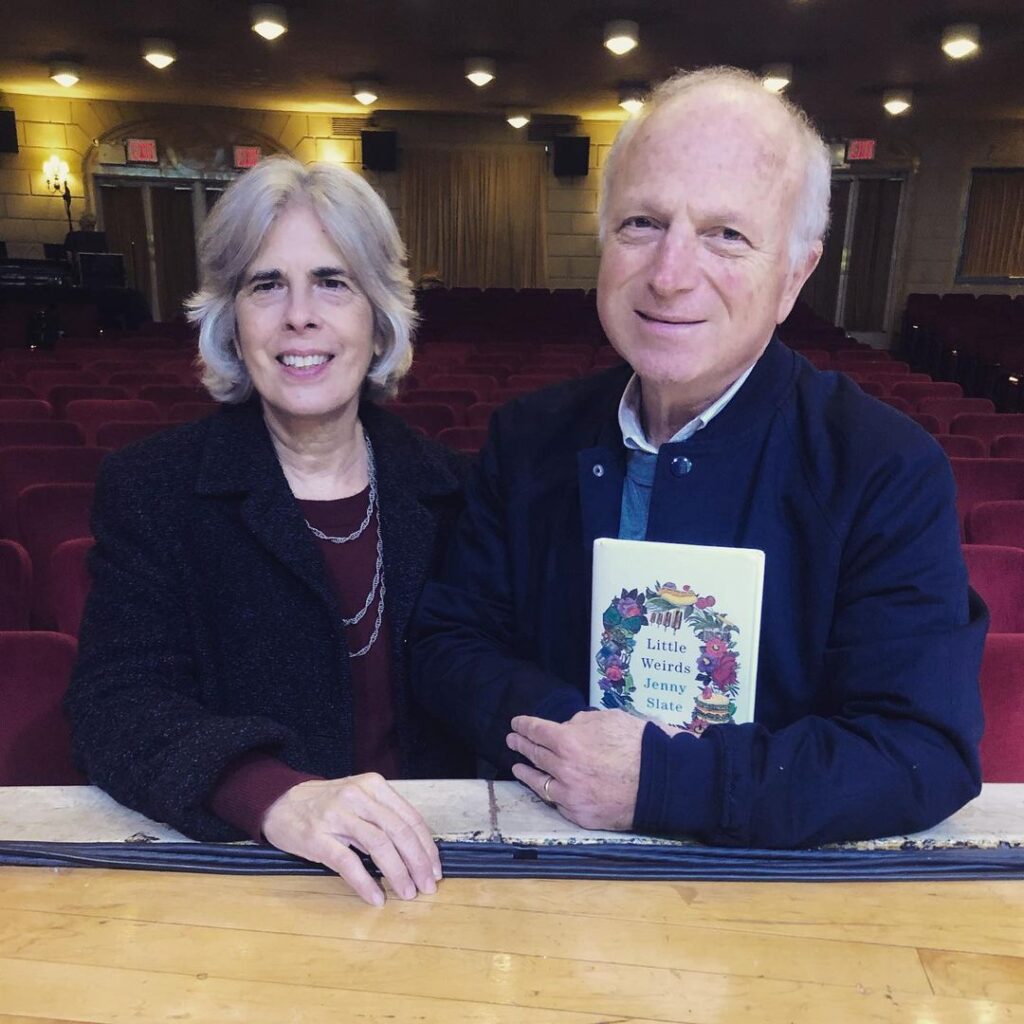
(305,330)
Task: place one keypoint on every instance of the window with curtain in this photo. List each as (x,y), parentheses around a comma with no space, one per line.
(993,246)
(476,216)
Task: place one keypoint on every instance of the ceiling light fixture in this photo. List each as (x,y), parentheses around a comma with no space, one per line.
(897,101)
(161,53)
(480,70)
(269,20)
(959,41)
(518,120)
(621,36)
(65,73)
(631,99)
(365,91)
(775,77)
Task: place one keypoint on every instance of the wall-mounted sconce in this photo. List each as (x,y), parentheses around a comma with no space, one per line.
(55,173)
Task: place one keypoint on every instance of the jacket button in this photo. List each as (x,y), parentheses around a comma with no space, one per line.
(680,465)
(598,470)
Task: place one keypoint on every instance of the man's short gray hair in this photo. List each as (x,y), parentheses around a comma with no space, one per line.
(810,219)
(356,221)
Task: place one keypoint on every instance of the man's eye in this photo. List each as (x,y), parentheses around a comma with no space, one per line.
(732,235)
(639,222)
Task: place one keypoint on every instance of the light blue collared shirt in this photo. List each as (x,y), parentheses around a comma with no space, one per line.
(642,457)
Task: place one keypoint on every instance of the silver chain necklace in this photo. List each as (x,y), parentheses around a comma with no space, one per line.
(373,505)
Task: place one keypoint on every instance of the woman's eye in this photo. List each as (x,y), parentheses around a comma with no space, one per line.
(334,284)
(265,286)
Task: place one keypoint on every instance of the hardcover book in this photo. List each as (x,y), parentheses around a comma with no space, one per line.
(675,630)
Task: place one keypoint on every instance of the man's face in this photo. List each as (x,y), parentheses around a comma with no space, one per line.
(695,271)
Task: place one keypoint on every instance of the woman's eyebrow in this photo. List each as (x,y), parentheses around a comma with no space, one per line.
(320,272)
(264,275)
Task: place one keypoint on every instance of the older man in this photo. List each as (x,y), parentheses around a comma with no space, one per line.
(867,717)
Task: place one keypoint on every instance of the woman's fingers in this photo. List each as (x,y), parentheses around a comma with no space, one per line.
(414,820)
(319,820)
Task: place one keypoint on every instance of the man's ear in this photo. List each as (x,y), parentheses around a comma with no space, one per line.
(797,278)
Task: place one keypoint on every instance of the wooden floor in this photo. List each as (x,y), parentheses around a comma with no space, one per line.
(97,945)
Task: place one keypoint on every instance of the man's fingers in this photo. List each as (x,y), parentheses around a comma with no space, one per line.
(539,731)
(541,757)
(537,781)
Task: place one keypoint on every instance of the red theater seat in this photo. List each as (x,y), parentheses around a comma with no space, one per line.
(61,397)
(1002,695)
(118,434)
(34,432)
(960,447)
(987,426)
(944,409)
(914,391)
(25,409)
(930,423)
(24,467)
(1008,446)
(16,391)
(463,439)
(48,515)
(979,480)
(996,522)
(15,586)
(430,417)
(35,742)
(997,573)
(70,573)
(91,413)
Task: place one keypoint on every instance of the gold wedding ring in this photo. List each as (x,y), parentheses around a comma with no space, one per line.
(547,795)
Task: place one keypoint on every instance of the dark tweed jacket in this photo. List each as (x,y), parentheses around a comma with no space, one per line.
(211,629)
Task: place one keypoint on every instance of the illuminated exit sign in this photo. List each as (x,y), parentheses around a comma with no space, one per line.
(142,151)
(861,149)
(247,156)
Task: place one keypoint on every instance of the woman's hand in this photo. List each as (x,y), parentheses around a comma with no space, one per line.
(322,820)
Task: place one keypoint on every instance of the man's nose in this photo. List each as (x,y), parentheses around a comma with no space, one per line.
(675,265)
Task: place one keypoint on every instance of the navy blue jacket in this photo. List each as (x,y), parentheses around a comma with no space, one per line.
(211,629)
(868,714)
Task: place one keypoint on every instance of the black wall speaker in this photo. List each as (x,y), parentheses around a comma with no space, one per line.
(380,151)
(572,156)
(8,132)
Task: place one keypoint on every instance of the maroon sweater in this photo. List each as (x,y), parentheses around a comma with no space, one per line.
(249,785)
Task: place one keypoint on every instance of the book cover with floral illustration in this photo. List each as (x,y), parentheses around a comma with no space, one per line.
(674,631)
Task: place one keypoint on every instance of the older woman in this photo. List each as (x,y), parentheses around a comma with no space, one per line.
(242,664)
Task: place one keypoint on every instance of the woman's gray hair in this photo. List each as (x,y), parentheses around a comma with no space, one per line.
(810,218)
(357,222)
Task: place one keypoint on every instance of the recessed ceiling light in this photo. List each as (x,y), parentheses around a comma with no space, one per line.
(959,41)
(65,73)
(897,101)
(518,120)
(159,52)
(631,99)
(621,36)
(480,70)
(365,91)
(775,77)
(269,20)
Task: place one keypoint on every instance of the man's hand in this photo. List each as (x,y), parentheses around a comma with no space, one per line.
(322,820)
(592,761)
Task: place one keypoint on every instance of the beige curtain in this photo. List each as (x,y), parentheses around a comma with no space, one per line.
(994,239)
(476,216)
